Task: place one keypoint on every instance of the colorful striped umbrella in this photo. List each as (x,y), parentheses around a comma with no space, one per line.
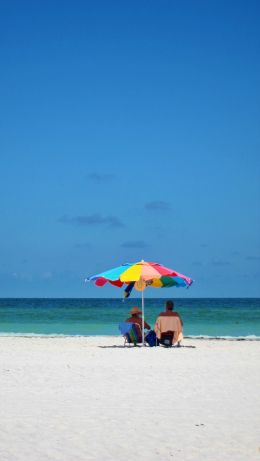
(140,275)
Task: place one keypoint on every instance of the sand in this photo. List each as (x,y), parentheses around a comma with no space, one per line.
(80,399)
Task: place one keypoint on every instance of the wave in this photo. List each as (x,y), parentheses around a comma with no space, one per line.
(61,335)
(227,338)
(43,335)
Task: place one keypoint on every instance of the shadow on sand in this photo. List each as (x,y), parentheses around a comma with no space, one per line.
(134,347)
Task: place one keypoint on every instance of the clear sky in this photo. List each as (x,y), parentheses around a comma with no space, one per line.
(129,130)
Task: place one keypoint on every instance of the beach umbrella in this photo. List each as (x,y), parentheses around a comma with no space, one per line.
(141,275)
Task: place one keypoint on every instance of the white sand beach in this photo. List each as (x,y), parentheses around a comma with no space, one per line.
(66,399)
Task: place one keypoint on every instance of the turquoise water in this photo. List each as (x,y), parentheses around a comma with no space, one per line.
(202,317)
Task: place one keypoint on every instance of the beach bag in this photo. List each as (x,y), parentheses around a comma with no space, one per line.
(151,339)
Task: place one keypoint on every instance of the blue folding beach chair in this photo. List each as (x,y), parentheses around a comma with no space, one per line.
(131,332)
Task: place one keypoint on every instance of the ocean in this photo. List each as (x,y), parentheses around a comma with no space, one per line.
(229,318)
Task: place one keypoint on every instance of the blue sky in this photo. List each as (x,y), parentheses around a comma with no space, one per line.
(129,130)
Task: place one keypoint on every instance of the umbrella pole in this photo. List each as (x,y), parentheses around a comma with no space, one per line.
(143,316)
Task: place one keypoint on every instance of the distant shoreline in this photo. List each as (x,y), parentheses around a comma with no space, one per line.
(189,337)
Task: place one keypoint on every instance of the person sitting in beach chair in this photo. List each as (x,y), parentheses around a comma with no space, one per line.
(133,335)
(168,327)
(135,318)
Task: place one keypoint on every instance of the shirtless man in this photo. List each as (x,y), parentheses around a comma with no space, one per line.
(135,318)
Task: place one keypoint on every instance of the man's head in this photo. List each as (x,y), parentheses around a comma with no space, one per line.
(169,305)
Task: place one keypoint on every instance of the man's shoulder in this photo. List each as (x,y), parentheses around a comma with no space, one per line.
(168,314)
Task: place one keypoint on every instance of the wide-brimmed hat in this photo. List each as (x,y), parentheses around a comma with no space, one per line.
(135,310)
